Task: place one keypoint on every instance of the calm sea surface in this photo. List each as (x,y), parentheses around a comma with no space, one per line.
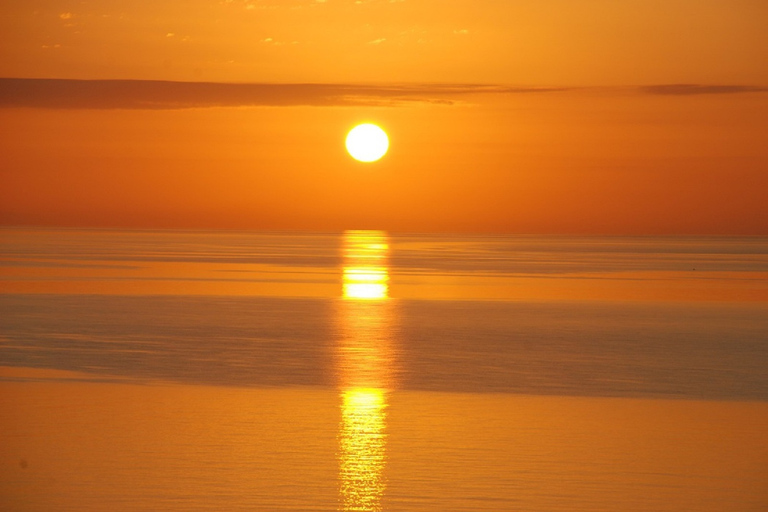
(171,370)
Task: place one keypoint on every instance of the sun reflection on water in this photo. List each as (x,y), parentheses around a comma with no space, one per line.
(365,269)
(365,370)
(365,283)
(362,442)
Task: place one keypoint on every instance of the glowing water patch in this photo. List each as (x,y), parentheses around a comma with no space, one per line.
(362,441)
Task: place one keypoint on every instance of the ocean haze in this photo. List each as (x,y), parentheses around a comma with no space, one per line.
(680,317)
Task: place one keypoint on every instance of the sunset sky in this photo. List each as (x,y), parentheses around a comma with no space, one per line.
(549,116)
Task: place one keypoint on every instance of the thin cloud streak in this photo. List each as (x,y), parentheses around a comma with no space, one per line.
(696,89)
(165,95)
(149,94)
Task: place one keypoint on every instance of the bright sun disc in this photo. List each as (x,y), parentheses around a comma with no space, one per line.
(367,142)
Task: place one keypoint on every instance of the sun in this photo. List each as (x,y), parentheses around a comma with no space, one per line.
(367,142)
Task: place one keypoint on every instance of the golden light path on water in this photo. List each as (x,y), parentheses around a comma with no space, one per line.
(365,365)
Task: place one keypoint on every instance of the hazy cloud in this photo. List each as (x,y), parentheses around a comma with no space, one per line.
(691,89)
(148,94)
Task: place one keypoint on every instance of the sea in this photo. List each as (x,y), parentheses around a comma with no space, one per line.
(153,370)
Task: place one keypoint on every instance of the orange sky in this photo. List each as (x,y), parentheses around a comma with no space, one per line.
(560,116)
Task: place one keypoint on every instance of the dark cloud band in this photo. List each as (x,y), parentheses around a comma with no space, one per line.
(693,89)
(154,94)
(150,94)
